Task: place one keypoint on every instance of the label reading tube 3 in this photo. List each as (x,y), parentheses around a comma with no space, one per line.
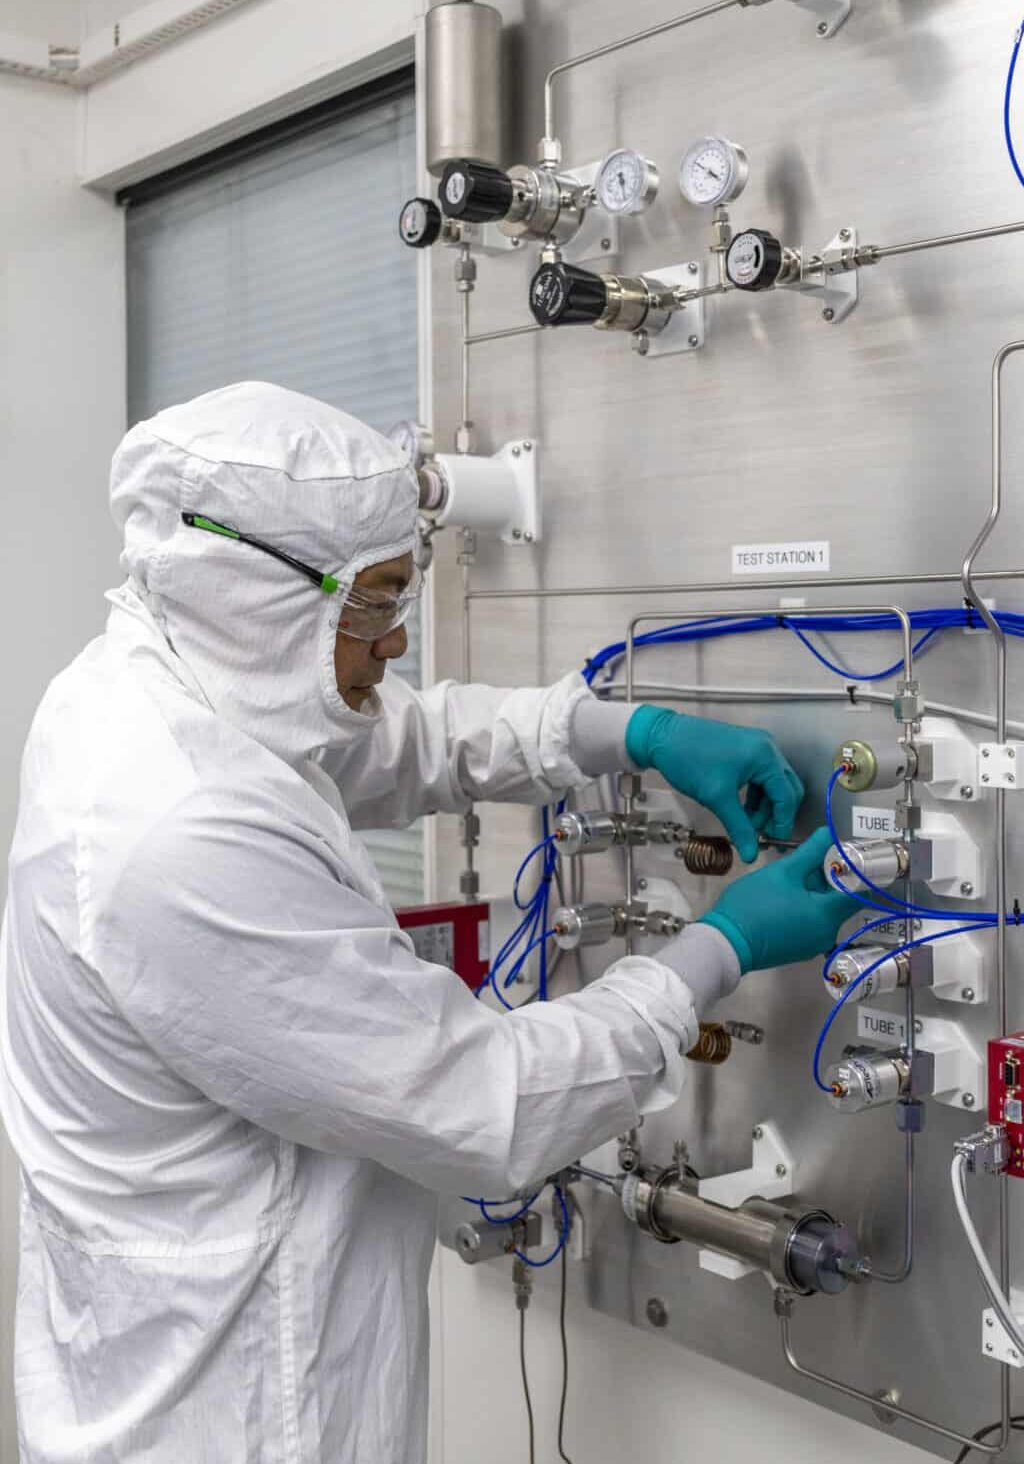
(809,557)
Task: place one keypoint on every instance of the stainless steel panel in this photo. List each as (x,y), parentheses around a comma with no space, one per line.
(873,435)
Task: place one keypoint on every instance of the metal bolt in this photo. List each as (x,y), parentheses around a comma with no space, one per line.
(781,1170)
(758,1133)
(988,1321)
(527,446)
(693,266)
(968,1100)
(985,752)
(984,777)
(516,243)
(966,791)
(918,1026)
(966,889)
(516,451)
(657,1312)
(1009,777)
(828,314)
(844,234)
(968,993)
(606,243)
(641,884)
(517,533)
(527,537)
(822,27)
(694,340)
(1010,752)
(641,797)
(989,1347)
(641,342)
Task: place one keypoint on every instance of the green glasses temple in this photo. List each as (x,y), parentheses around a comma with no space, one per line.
(325,582)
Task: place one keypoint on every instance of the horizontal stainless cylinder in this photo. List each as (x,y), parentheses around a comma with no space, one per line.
(633,303)
(463,84)
(869,765)
(587,833)
(582,925)
(543,206)
(868,1080)
(883,861)
(850,966)
(805,1252)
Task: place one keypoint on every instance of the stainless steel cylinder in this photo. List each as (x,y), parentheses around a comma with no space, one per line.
(847,968)
(543,206)
(587,833)
(582,925)
(632,303)
(884,861)
(463,84)
(870,766)
(868,1080)
(805,1252)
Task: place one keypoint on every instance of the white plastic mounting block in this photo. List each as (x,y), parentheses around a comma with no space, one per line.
(999,764)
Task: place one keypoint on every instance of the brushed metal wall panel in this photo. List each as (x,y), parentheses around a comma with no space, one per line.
(873,435)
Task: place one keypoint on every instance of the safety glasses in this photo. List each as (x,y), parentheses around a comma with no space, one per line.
(365,614)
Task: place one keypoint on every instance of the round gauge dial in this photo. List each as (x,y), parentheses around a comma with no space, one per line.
(627,182)
(419,222)
(713,171)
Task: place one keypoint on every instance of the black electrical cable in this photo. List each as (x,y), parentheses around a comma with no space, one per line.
(1016,1423)
(526,1381)
(565,1361)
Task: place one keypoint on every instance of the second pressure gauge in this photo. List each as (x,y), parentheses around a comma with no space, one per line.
(627,182)
(713,171)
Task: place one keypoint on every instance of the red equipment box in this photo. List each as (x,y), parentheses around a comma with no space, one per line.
(457,936)
(1006,1094)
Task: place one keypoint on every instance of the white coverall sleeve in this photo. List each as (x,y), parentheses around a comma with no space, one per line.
(440,750)
(234,946)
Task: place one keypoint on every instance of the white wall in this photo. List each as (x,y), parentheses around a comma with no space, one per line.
(61,414)
(57,21)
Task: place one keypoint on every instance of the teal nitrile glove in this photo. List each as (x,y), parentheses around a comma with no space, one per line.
(784,912)
(712,762)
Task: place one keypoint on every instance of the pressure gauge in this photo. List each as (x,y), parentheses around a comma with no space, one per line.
(419,223)
(713,171)
(627,182)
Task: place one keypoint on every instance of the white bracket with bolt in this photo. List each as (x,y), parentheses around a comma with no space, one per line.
(952,773)
(498,494)
(664,894)
(684,329)
(996,1342)
(946,858)
(837,282)
(831,14)
(960,1079)
(772,1174)
(999,764)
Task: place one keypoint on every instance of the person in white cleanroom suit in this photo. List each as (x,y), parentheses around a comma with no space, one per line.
(233,1088)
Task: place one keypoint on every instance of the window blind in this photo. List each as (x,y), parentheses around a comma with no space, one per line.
(282,262)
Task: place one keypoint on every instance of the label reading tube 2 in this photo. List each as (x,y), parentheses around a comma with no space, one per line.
(809,557)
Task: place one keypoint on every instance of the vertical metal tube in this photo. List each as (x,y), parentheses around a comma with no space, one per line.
(462,441)
(999,643)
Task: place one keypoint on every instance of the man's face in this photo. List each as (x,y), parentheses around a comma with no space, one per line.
(359,664)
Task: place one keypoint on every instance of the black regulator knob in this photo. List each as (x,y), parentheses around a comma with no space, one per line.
(475,192)
(419,223)
(754,260)
(562,294)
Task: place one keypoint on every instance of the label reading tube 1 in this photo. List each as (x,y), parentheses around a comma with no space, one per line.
(887,1028)
(810,557)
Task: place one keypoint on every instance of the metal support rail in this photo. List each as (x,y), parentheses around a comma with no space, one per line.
(784,1311)
(645,35)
